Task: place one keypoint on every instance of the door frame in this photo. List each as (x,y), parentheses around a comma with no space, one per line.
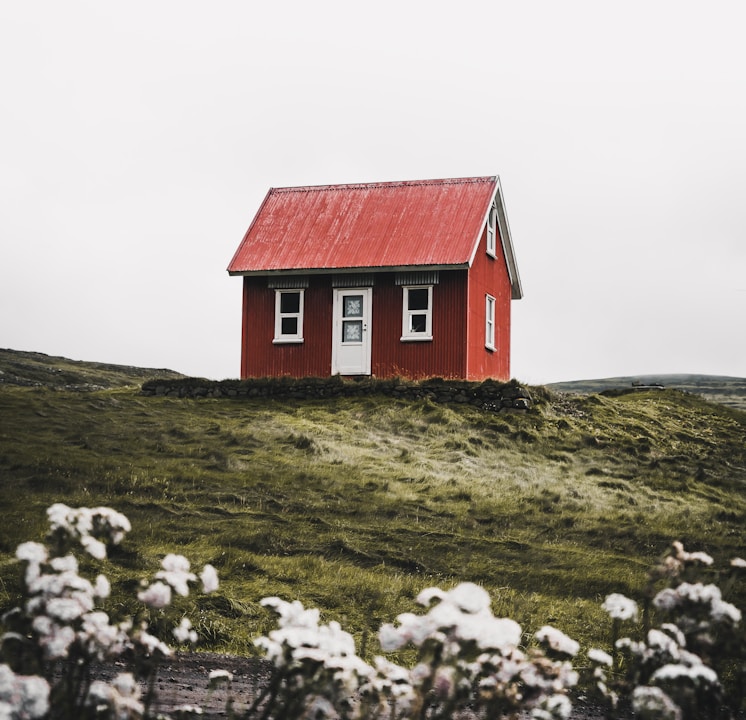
(365,345)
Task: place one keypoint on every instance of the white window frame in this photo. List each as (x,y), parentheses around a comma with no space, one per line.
(296,337)
(492,231)
(489,322)
(407,334)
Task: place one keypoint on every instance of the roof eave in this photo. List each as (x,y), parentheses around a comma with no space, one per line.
(348,270)
(516,290)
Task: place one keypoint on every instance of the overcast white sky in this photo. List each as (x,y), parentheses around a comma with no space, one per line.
(137,140)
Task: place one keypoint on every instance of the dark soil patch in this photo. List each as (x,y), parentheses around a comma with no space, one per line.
(183,680)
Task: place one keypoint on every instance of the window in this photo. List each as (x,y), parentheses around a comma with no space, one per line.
(288,316)
(417,313)
(489,323)
(492,231)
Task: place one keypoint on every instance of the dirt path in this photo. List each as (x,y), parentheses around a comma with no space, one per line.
(183,680)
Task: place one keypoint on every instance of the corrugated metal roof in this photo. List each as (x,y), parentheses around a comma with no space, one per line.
(376,225)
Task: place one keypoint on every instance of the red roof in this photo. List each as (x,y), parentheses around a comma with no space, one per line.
(427,223)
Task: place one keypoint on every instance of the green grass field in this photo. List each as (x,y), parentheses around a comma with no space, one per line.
(355,505)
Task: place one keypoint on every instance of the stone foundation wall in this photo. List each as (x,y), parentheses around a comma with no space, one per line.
(488,395)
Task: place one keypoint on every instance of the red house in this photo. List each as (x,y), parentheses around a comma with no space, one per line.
(408,279)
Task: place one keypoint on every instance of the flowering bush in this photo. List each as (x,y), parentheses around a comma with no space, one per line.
(675,671)
(60,629)
(467,659)
(692,664)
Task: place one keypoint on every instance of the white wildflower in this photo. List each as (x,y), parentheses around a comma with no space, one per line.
(698,674)
(68,609)
(558,641)
(93,547)
(57,642)
(444,682)
(674,632)
(429,594)
(600,657)
(125,684)
(121,697)
(34,693)
(115,523)
(469,597)
(658,640)
(32,552)
(176,573)
(292,613)
(102,588)
(499,634)
(22,696)
(620,607)
(152,644)
(157,595)
(390,637)
(738,562)
(209,578)
(100,638)
(220,676)
(698,594)
(187,710)
(554,707)
(695,557)
(66,564)
(722,611)
(59,516)
(184,633)
(652,702)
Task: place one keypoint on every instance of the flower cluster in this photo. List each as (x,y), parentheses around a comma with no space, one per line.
(467,658)
(670,673)
(22,696)
(175,575)
(119,699)
(60,605)
(316,665)
(61,623)
(93,528)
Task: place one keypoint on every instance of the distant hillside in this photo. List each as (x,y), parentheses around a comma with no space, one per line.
(721,389)
(37,369)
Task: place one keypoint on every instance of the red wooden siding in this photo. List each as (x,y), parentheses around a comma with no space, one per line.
(444,355)
(260,357)
(488,275)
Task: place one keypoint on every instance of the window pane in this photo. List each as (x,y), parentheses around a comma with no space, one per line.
(352,331)
(290,302)
(418,323)
(289,326)
(353,306)
(417,299)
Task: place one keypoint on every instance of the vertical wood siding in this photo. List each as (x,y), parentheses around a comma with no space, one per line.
(456,351)
(260,357)
(488,275)
(443,356)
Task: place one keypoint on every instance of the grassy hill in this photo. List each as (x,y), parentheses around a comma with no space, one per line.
(32,369)
(721,389)
(355,505)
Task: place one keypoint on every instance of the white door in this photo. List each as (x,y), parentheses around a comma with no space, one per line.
(351,332)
